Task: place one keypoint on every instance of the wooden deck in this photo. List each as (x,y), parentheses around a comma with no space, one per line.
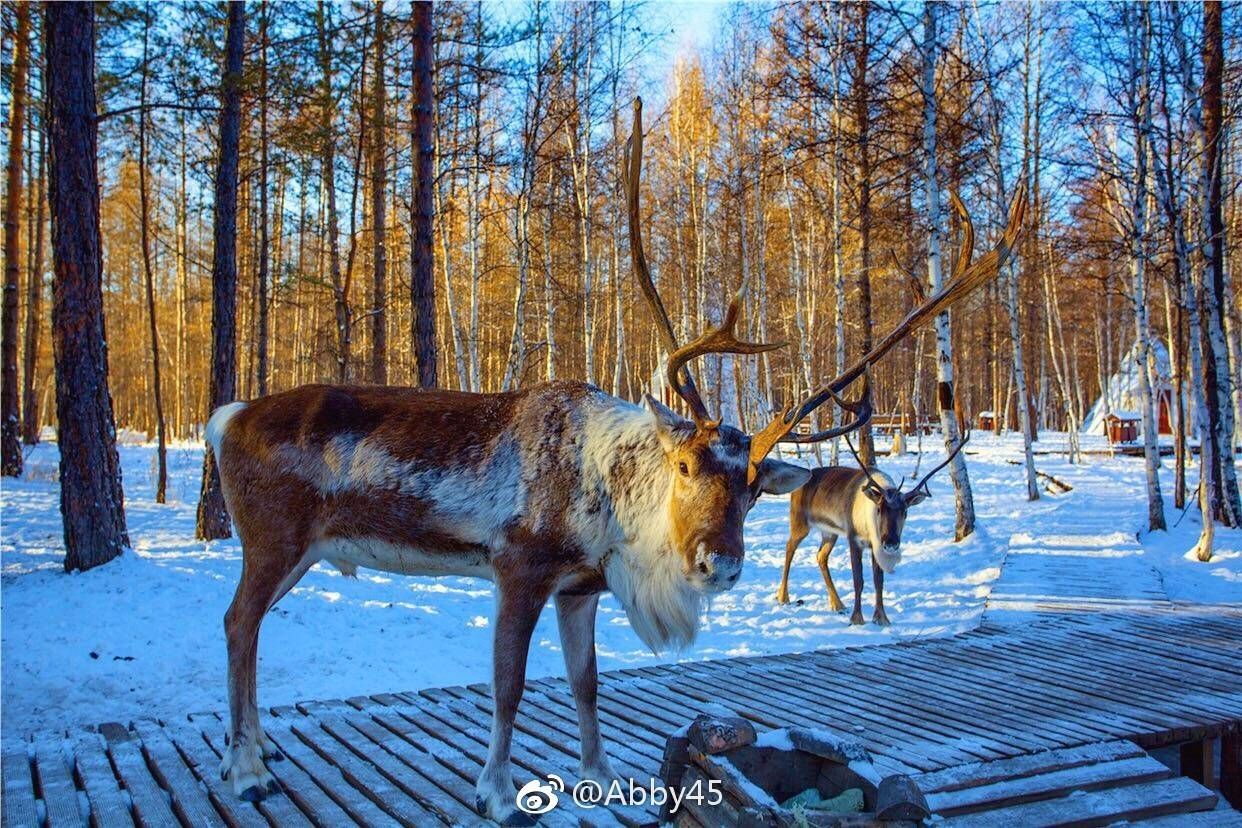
(1153,677)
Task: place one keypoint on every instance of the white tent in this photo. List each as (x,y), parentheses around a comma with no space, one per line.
(1122,394)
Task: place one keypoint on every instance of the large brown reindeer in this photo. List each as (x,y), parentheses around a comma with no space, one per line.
(865,506)
(558,491)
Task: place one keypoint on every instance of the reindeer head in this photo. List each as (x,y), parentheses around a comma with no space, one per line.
(719,472)
(891,505)
(712,492)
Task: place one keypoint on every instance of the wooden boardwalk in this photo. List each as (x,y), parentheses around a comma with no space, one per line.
(1153,677)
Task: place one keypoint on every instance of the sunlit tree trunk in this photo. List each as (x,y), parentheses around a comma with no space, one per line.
(10,442)
(422,142)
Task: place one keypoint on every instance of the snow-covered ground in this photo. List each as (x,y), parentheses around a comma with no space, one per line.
(142,636)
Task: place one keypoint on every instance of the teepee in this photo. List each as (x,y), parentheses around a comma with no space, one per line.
(1122,394)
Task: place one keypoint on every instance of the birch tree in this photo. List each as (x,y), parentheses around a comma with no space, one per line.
(930,53)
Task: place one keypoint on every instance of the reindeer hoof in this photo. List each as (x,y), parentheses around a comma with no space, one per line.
(880,619)
(856,619)
(253,794)
(836,606)
(782,597)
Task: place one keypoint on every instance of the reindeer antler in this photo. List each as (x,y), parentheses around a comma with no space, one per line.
(922,484)
(862,465)
(719,340)
(966,278)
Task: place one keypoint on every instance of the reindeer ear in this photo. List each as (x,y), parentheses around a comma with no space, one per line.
(872,492)
(672,428)
(777,477)
(917,496)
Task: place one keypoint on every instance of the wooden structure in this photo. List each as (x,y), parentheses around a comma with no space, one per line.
(1122,427)
(1152,677)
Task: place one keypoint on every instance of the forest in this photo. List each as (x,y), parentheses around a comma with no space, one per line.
(262,195)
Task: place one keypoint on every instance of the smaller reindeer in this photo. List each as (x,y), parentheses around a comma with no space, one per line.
(863,505)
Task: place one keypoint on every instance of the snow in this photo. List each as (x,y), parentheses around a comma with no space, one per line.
(142,636)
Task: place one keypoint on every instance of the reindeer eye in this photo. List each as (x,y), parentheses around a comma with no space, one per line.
(683,468)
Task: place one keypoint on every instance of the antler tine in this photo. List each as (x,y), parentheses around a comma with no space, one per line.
(861,464)
(720,340)
(967,247)
(956,450)
(861,408)
(966,278)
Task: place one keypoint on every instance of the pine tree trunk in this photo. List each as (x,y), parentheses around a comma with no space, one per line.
(379,208)
(422,254)
(862,122)
(213,518)
(264,251)
(10,442)
(92,501)
(34,307)
(144,200)
(327,126)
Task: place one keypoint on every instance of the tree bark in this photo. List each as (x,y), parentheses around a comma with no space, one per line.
(34,307)
(422,140)
(10,442)
(213,518)
(944,352)
(1217,376)
(379,208)
(264,252)
(327,126)
(144,201)
(92,501)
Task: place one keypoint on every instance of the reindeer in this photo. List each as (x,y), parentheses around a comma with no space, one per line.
(555,492)
(863,505)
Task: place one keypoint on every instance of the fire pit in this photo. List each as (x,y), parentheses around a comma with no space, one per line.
(730,776)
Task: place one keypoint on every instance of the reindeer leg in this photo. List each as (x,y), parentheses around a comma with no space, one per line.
(825,549)
(797,531)
(269,569)
(519,601)
(575,615)
(856,568)
(880,617)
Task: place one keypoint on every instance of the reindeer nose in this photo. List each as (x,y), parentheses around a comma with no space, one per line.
(718,570)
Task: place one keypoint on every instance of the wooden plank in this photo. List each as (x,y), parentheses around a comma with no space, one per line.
(1125,639)
(456,797)
(205,763)
(1001,770)
(470,744)
(1055,783)
(1076,689)
(562,725)
(1096,678)
(1038,720)
(150,802)
(60,796)
(190,799)
(419,786)
(18,807)
(1133,803)
(832,707)
(931,703)
(94,772)
(277,807)
(1137,668)
(1134,681)
(641,743)
(889,732)
(327,774)
(537,755)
